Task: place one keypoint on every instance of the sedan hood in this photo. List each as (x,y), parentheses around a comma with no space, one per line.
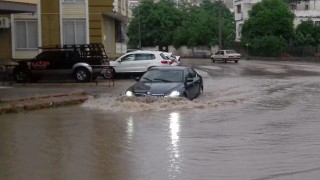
(155,88)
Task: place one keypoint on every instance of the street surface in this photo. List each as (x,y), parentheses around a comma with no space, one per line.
(256,120)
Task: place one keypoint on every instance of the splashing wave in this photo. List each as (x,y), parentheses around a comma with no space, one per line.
(137,104)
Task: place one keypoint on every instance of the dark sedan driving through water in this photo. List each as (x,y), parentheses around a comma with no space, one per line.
(177,81)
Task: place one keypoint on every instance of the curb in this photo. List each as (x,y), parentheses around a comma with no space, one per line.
(41,102)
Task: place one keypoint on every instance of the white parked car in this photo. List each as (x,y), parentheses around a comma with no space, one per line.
(175,60)
(226,55)
(139,61)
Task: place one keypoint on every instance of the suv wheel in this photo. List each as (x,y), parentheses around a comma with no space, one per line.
(20,75)
(82,75)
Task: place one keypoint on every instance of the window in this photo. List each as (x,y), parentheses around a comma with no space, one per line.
(118,31)
(293,6)
(317,23)
(239,30)
(192,73)
(239,9)
(26,33)
(163,56)
(123,5)
(306,7)
(74,31)
(144,57)
(129,57)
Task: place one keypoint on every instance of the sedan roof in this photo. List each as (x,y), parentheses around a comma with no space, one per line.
(169,67)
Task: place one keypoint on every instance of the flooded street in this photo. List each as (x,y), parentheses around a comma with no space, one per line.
(256,120)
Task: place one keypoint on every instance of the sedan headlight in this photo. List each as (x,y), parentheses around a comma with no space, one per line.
(174,94)
(129,93)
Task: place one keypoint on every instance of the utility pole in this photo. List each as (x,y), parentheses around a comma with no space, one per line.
(220,24)
(133,6)
(139,28)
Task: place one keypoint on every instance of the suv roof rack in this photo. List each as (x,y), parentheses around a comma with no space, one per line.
(85,50)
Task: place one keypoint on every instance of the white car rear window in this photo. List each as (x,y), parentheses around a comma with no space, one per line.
(164,56)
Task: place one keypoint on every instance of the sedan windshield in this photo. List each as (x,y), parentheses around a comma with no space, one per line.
(162,76)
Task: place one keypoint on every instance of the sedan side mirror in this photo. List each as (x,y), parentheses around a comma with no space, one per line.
(189,79)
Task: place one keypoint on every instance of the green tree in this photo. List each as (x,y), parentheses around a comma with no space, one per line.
(165,24)
(200,25)
(307,34)
(268,19)
(158,22)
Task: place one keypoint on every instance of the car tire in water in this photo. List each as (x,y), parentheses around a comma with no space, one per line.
(225,60)
(20,75)
(236,61)
(213,60)
(82,74)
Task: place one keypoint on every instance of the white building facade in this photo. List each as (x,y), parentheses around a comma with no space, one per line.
(303,11)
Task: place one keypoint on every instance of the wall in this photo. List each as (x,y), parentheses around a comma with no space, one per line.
(73,10)
(5,42)
(96,9)
(50,22)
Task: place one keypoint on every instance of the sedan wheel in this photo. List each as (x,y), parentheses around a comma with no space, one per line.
(213,60)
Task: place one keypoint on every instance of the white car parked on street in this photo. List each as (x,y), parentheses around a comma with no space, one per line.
(175,60)
(139,61)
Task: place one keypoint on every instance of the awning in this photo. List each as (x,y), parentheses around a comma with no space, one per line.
(7,7)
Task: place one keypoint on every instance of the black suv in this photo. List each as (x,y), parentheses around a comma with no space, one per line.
(84,62)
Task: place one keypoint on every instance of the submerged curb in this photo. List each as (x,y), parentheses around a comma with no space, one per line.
(41,102)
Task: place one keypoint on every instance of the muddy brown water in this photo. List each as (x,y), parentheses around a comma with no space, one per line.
(255,120)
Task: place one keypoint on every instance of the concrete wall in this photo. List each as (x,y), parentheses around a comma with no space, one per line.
(305,15)
(241,16)
(184,51)
(311,4)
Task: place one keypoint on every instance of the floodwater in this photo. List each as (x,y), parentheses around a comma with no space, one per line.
(255,121)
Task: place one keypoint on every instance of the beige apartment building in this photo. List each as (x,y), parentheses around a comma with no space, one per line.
(58,22)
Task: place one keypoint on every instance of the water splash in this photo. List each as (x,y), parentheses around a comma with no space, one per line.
(138,104)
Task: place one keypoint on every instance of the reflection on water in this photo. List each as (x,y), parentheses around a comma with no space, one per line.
(130,128)
(174,149)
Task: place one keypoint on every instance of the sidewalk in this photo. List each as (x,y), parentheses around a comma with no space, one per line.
(21,97)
